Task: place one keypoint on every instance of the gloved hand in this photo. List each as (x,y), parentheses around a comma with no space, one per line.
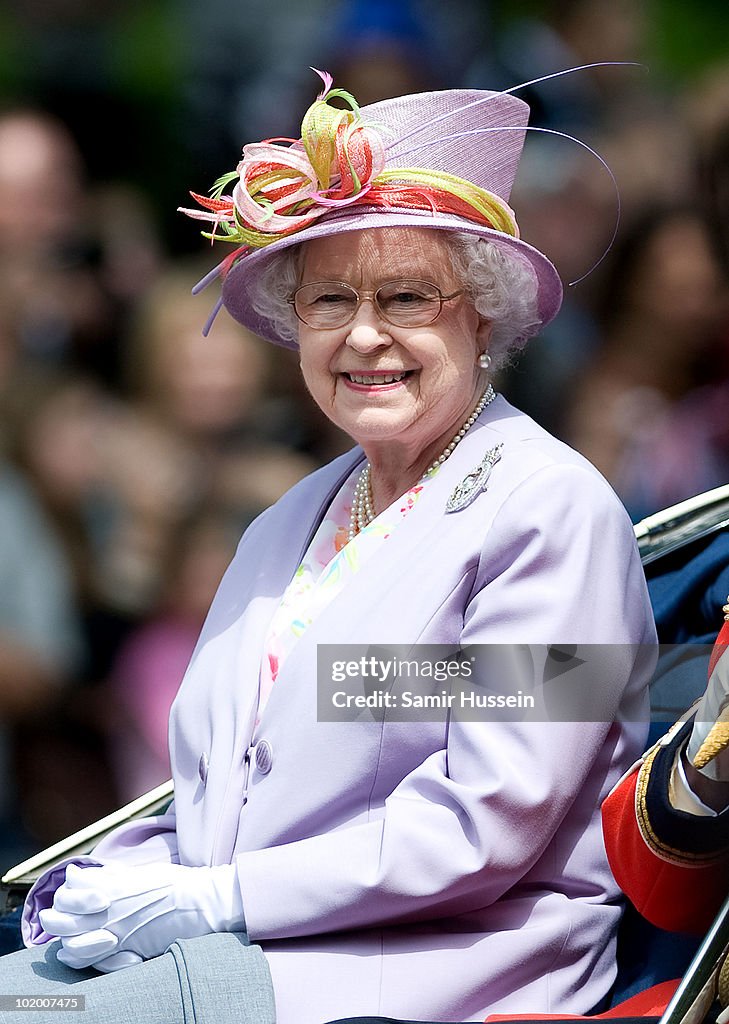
(114,916)
(708,745)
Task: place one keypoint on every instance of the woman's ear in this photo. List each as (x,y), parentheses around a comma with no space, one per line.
(483,333)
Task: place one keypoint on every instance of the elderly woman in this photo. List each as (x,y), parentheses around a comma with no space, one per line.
(435,868)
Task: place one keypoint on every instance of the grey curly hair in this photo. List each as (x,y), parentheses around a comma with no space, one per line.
(502,286)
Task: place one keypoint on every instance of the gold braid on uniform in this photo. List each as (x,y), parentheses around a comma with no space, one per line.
(661,849)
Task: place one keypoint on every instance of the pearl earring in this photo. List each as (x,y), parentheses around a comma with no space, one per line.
(484,360)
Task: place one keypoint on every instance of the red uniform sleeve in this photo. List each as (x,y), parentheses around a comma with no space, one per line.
(676,895)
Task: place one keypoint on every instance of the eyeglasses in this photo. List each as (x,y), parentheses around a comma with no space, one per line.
(326,305)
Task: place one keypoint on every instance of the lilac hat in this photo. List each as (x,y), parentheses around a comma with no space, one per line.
(441,160)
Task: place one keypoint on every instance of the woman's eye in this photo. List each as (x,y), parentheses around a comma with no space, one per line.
(330,299)
(407,297)
(404,294)
(407,302)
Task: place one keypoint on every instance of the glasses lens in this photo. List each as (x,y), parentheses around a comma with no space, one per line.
(325,304)
(409,303)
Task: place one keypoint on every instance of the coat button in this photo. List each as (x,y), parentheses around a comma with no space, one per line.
(202,768)
(264,757)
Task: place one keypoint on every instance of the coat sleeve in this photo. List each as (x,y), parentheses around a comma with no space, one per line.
(672,865)
(471,820)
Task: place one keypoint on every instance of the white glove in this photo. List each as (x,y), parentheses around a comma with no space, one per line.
(712,717)
(115,916)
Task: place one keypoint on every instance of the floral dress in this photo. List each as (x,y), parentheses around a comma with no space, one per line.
(331,560)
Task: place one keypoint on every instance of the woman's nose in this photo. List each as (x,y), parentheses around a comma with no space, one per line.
(368,330)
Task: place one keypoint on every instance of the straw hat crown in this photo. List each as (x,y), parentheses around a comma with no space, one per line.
(474,134)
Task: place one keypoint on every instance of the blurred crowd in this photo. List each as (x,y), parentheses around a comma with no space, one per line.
(133,451)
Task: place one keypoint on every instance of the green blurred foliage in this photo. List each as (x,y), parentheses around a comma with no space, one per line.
(689,36)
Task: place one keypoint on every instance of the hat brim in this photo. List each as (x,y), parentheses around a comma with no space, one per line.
(242,281)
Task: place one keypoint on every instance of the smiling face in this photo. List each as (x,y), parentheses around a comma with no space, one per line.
(408,389)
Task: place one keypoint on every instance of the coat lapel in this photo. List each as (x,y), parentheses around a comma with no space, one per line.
(363,612)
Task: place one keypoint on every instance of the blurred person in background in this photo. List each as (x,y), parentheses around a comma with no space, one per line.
(634,411)
(73,257)
(40,639)
(55,420)
(115,487)
(45,252)
(151,663)
(207,402)
(383,49)
(206,390)
(632,118)
(88,457)
(55,424)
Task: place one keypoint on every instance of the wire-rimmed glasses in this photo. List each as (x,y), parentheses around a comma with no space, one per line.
(326,305)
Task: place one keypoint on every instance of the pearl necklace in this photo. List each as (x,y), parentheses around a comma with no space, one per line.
(363,511)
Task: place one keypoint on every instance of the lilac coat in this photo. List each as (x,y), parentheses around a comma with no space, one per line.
(438,870)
